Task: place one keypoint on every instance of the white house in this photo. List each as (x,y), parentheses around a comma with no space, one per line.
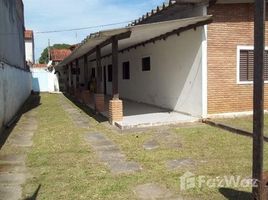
(29,46)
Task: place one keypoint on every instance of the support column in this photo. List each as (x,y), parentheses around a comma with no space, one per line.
(86,93)
(70,78)
(86,71)
(99,96)
(77,86)
(258,116)
(115,105)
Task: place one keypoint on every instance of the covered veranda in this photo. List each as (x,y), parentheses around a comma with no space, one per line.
(124,113)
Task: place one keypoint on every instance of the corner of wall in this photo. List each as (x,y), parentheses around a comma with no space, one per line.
(204,69)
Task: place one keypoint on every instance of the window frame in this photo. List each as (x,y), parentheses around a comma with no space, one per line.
(239,48)
(123,64)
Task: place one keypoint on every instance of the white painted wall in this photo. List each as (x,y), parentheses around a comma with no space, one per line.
(15,81)
(12,46)
(29,51)
(15,88)
(175,79)
(44,81)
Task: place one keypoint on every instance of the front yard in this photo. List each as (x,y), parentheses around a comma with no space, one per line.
(67,167)
(244,123)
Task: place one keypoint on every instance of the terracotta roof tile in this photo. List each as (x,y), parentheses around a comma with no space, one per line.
(28,34)
(59,54)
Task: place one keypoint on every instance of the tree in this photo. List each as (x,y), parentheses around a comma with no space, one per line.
(44,56)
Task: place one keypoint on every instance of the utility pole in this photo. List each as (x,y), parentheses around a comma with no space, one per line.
(48,50)
(259,47)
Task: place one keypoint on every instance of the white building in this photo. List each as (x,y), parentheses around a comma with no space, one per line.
(29,46)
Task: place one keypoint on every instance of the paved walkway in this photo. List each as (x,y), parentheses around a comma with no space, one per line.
(109,153)
(13,170)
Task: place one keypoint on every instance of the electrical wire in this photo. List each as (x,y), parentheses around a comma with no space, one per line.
(83,28)
(70,30)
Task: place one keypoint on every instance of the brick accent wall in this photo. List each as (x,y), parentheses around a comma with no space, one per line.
(232,25)
(115,111)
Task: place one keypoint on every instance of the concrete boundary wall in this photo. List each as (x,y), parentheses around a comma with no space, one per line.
(15,88)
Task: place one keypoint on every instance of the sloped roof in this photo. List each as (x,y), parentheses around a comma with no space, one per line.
(59,54)
(140,34)
(28,34)
(171,6)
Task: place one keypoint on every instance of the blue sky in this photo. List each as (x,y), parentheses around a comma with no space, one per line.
(49,15)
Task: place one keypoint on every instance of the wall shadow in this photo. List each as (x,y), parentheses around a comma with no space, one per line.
(35,194)
(90,112)
(31,103)
(232,194)
(35,84)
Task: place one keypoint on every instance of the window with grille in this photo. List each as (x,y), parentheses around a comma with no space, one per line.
(146,64)
(126,71)
(246,63)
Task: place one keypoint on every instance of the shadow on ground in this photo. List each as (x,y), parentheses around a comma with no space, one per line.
(99,118)
(232,194)
(35,194)
(32,102)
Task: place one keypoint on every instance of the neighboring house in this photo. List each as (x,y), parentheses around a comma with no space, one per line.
(29,46)
(15,77)
(188,56)
(57,56)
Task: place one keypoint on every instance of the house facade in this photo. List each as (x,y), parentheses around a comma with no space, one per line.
(230,58)
(29,46)
(15,77)
(193,57)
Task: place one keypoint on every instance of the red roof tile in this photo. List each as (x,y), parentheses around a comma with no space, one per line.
(59,55)
(28,34)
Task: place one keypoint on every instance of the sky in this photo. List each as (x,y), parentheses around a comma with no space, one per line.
(53,15)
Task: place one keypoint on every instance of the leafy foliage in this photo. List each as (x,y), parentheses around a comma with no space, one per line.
(44,56)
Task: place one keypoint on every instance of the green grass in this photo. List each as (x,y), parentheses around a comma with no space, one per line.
(244,123)
(66,167)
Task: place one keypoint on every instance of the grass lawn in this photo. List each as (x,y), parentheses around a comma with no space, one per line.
(67,168)
(244,123)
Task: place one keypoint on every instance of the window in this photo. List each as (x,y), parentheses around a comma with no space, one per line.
(146,64)
(110,73)
(93,73)
(126,72)
(246,65)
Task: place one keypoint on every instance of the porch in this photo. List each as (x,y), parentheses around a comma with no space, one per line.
(137,114)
